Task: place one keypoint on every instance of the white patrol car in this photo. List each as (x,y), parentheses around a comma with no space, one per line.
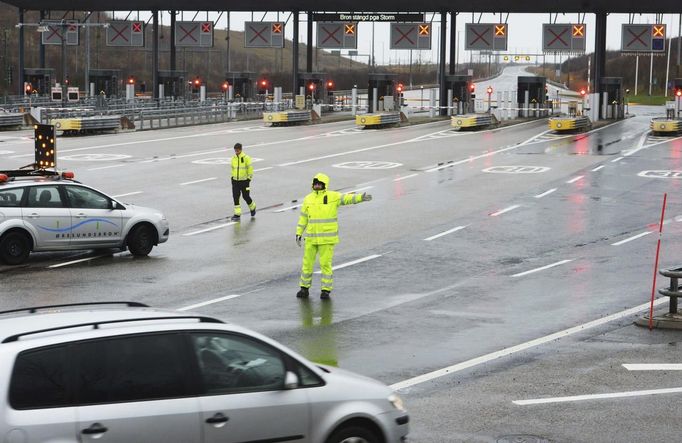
(47,211)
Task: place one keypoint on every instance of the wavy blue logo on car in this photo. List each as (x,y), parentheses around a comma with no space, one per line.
(77,225)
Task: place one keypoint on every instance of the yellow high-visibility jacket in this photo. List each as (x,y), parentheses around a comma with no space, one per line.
(318,220)
(242,169)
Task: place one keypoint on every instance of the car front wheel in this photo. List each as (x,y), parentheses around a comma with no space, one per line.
(353,434)
(14,248)
(141,241)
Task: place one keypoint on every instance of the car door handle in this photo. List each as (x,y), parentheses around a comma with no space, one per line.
(217,418)
(34,215)
(81,215)
(95,428)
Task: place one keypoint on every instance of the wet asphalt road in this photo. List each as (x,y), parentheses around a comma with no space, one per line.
(475,243)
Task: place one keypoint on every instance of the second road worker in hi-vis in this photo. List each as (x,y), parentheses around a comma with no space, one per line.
(318,224)
(242,173)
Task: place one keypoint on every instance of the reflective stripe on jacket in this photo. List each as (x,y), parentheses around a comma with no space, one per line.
(318,220)
(241,167)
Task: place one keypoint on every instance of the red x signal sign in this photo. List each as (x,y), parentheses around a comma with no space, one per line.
(276,28)
(349,29)
(206,27)
(658,30)
(137,27)
(500,30)
(578,30)
(424,30)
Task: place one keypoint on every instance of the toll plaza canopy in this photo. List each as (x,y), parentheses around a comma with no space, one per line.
(604,6)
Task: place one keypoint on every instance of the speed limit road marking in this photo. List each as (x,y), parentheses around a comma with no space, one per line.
(661,174)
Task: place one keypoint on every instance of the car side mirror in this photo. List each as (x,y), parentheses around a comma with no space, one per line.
(117,205)
(290,380)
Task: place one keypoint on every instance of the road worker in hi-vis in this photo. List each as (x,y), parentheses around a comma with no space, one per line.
(318,224)
(242,173)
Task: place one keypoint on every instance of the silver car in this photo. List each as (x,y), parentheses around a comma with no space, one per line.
(123,372)
(52,213)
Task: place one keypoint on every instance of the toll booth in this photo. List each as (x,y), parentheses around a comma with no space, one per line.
(40,79)
(459,93)
(313,84)
(173,83)
(242,84)
(612,99)
(381,89)
(105,80)
(531,92)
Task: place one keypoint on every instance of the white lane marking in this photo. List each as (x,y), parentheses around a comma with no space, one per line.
(263,169)
(653,366)
(546,193)
(523,346)
(559,263)
(575,179)
(105,167)
(539,401)
(617,159)
(73,262)
(338,154)
(597,168)
(126,195)
(405,177)
(288,208)
(450,231)
(175,157)
(199,181)
(354,262)
(212,228)
(502,211)
(471,159)
(355,191)
(210,302)
(634,237)
(643,146)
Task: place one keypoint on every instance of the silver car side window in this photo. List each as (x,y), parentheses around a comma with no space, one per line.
(230,363)
(84,198)
(11,198)
(44,197)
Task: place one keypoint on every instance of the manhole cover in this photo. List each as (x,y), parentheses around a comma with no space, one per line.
(518,438)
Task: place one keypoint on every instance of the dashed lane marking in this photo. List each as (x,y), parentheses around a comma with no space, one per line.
(212,228)
(540,401)
(653,366)
(546,193)
(354,262)
(199,181)
(449,231)
(559,263)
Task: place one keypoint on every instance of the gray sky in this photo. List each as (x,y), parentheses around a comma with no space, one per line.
(525,31)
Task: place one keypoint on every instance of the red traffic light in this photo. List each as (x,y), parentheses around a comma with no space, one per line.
(583,92)
(225,86)
(400,87)
(330,84)
(472,87)
(678,93)
(131,80)
(311,86)
(197,82)
(29,88)
(489,90)
(263,83)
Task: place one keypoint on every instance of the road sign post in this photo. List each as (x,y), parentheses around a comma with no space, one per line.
(490,93)
(563,37)
(264,35)
(486,36)
(643,38)
(410,36)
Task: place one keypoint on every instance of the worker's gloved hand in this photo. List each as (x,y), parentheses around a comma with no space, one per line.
(366,197)
(299,239)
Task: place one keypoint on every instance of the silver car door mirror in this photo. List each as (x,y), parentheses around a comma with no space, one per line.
(290,380)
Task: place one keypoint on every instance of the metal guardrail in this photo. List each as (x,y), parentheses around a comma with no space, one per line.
(11,119)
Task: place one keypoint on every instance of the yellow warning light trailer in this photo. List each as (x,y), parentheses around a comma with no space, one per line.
(287,117)
(472,121)
(565,124)
(378,120)
(665,126)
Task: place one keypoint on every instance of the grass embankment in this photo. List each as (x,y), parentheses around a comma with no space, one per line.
(647,100)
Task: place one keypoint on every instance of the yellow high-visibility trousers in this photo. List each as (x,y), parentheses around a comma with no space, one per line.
(326,253)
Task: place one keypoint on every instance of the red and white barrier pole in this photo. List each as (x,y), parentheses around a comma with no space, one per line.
(658,249)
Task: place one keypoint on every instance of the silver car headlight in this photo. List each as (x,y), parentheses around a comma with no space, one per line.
(397,402)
